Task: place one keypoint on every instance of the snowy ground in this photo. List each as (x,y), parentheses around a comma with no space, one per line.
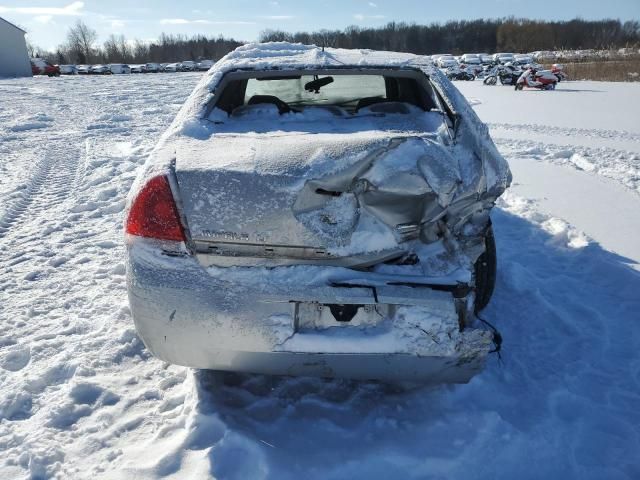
(80,396)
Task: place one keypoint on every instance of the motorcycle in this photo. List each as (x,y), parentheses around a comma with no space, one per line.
(558,71)
(507,75)
(540,79)
(460,74)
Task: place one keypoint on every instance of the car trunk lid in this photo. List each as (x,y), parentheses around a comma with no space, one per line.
(300,195)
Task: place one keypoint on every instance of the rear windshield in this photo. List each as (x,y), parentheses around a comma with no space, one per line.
(348,93)
(344,90)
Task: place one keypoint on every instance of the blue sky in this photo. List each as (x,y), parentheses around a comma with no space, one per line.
(48,20)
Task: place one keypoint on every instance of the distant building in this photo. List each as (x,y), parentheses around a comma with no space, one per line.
(14,58)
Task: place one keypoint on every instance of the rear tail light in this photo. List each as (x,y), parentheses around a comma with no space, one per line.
(154,213)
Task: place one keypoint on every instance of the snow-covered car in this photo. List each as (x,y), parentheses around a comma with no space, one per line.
(436,56)
(204,65)
(68,69)
(83,69)
(318,212)
(141,68)
(188,66)
(152,67)
(100,70)
(485,58)
(446,61)
(503,58)
(119,68)
(470,59)
(172,67)
(471,63)
(522,59)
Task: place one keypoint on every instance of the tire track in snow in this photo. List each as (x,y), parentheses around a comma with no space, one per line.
(49,186)
(15,210)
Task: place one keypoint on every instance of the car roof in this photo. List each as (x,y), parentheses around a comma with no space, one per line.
(273,55)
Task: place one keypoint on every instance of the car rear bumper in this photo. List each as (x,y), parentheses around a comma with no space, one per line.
(263,321)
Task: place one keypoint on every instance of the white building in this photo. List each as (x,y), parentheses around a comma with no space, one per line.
(14,58)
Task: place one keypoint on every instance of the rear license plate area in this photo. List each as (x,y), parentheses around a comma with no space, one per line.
(308,315)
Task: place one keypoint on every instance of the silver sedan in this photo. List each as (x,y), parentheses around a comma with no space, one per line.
(318,212)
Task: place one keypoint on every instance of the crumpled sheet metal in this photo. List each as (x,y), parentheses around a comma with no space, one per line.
(409,183)
(472,136)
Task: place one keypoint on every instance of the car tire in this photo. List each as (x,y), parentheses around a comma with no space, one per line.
(485,271)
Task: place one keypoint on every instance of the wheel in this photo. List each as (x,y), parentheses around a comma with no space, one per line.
(485,271)
(519,86)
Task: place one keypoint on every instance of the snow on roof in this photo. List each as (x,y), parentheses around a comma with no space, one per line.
(14,26)
(294,56)
(259,56)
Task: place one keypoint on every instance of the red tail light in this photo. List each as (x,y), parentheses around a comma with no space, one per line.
(154,213)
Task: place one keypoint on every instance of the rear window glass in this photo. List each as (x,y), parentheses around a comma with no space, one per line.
(344,90)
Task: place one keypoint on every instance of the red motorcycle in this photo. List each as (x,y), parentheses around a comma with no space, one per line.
(540,79)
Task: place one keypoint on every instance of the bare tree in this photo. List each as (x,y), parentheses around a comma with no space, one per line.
(140,51)
(32,49)
(116,49)
(325,38)
(80,42)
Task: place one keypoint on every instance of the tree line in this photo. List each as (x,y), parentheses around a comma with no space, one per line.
(81,47)
(482,35)
(456,36)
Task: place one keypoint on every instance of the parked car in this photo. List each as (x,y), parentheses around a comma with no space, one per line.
(120,68)
(436,56)
(470,59)
(83,69)
(446,61)
(204,65)
(152,67)
(485,58)
(318,213)
(188,66)
(138,68)
(469,62)
(503,58)
(173,67)
(100,70)
(68,69)
(522,59)
(40,66)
